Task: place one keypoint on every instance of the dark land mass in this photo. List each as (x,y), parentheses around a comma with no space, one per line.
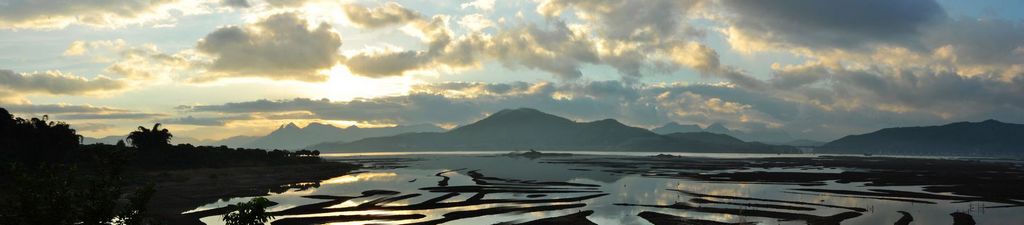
(960,218)
(905,219)
(766,135)
(579,218)
(810,219)
(344,218)
(986,138)
(699,195)
(292,137)
(666,219)
(516,129)
(182,190)
(533,154)
(378,200)
(757,205)
(47,176)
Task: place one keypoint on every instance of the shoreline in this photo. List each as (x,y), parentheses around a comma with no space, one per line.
(178,191)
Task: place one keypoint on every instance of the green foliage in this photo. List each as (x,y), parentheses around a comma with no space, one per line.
(250,213)
(148,139)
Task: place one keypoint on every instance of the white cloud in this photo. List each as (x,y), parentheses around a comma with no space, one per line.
(482,5)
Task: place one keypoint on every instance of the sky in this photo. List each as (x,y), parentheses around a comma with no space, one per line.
(212,69)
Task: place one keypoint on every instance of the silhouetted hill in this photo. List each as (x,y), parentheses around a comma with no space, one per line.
(521,129)
(291,137)
(766,135)
(674,127)
(725,143)
(989,137)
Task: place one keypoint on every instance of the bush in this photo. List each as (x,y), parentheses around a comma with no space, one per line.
(250,213)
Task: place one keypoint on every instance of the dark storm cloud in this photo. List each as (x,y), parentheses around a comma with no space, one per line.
(844,23)
(995,42)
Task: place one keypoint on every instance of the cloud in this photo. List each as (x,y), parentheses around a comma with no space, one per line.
(60,109)
(475,22)
(279,47)
(57,83)
(624,19)
(78,112)
(92,126)
(556,49)
(48,14)
(107,116)
(390,13)
(146,62)
(77,48)
(901,36)
(204,121)
(236,3)
(482,5)
(834,23)
(383,64)
(979,42)
(554,46)
(695,55)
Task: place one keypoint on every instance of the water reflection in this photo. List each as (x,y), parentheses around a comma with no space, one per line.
(486,189)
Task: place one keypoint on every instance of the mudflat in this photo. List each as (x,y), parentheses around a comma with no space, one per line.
(180,190)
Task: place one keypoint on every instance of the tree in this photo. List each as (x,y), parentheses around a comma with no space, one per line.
(34,141)
(253,212)
(143,138)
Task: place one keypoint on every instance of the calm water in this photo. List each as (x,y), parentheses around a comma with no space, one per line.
(422,170)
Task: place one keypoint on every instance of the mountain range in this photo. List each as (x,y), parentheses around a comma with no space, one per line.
(524,128)
(291,136)
(988,137)
(760,135)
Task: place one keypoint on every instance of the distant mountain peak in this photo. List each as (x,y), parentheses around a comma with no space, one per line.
(609,122)
(289,126)
(352,127)
(717,128)
(319,125)
(992,121)
(519,114)
(518,111)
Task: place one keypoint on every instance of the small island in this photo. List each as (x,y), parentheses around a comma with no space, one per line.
(533,154)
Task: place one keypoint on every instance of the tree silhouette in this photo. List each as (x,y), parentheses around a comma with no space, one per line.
(250,213)
(143,138)
(35,140)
